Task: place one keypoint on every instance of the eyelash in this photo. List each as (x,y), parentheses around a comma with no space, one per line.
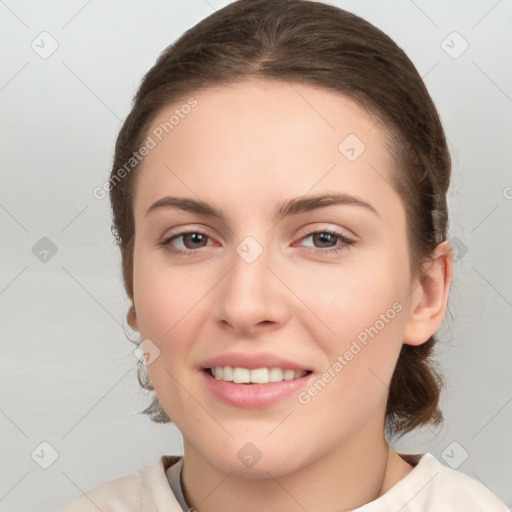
(347,242)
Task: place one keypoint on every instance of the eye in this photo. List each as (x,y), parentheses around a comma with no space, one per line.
(191,241)
(330,241)
(185,243)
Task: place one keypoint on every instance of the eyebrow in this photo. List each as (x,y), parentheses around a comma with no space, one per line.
(283,209)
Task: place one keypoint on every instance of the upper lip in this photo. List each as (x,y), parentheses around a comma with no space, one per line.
(252,361)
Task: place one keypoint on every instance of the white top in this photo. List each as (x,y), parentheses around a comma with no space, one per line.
(428,487)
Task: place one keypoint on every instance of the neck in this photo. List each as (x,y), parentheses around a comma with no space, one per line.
(341,480)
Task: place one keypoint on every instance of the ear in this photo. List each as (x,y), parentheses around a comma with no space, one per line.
(430,296)
(131,318)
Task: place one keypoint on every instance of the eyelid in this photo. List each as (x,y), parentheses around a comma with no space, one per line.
(189,228)
(323,226)
(347,240)
(308,229)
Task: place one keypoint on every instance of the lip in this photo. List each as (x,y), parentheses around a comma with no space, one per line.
(253,361)
(252,396)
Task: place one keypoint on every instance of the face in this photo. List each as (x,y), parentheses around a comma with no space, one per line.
(280,287)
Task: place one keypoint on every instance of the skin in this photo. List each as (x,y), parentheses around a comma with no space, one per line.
(245,148)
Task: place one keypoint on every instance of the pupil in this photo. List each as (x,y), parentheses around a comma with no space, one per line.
(196,237)
(324,237)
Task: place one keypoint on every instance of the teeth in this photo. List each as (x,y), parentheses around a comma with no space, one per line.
(288,375)
(256,376)
(260,376)
(227,373)
(275,375)
(241,375)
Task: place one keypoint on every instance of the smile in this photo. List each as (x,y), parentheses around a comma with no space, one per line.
(240,375)
(254,388)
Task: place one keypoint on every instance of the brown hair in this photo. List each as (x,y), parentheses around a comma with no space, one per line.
(321,45)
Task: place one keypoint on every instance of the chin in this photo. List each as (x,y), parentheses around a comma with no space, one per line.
(246,460)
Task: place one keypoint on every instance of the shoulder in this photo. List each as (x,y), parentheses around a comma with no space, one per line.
(458,490)
(433,487)
(119,494)
(127,493)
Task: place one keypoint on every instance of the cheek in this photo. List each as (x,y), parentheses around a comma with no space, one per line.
(157,310)
(172,305)
(164,296)
(359,319)
(344,302)
(360,357)
(168,303)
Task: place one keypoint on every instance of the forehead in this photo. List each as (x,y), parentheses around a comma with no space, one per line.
(271,101)
(264,137)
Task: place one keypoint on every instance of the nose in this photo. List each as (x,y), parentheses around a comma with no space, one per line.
(251,298)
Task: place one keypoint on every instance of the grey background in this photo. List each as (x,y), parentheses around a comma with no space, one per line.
(67,370)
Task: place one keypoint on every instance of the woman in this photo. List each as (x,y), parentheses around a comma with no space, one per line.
(279,199)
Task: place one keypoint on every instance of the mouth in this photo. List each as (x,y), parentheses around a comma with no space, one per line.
(254,380)
(239,375)
(254,388)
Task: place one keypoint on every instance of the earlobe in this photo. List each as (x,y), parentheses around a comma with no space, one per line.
(131,318)
(430,297)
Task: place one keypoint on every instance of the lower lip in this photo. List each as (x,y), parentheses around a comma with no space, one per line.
(252,396)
